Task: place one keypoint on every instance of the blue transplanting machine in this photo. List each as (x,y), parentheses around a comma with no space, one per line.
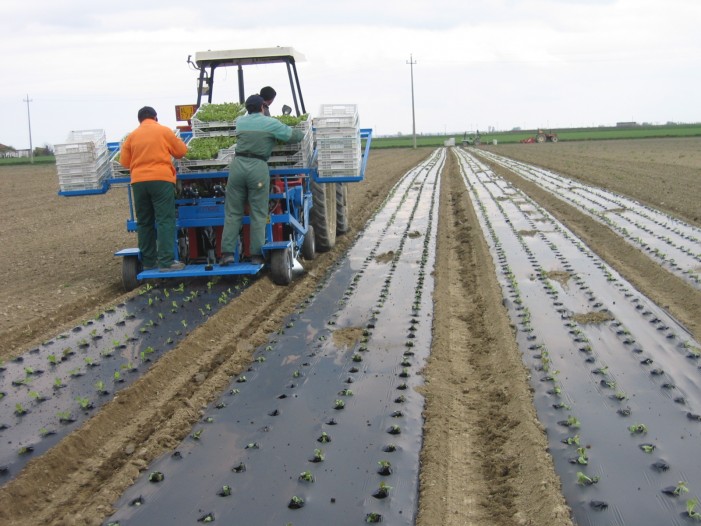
(308,196)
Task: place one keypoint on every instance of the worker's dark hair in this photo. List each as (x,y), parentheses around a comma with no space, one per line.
(147,112)
(254,103)
(267,93)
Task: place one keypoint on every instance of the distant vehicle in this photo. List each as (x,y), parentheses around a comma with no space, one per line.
(541,137)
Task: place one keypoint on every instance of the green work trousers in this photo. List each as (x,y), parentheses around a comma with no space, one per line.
(249,181)
(154,202)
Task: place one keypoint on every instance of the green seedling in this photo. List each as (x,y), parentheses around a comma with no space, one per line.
(346,392)
(65,417)
(385,467)
(84,403)
(573,440)
(339,404)
(197,434)
(638,429)
(52,359)
(58,383)
(324,438)
(225,491)
(37,397)
(573,421)
(318,456)
(681,488)
(582,456)
(156,476)
(691,509)
(648,448)
(382,491)
(296,502)
(306,476)
(584,480)
(44,432)
(19,410)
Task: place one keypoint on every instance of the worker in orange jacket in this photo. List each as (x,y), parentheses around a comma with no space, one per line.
(147,153)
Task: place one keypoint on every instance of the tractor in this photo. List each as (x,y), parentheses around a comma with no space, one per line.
(543,136)
(308,193)
(471,140)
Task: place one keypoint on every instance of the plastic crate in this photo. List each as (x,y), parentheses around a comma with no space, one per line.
(337,143)
(97,137)
(87,180)
(82,168)
(203,165)
(337,115)
(296,160)
(69,157)
(198,134)
(339,172)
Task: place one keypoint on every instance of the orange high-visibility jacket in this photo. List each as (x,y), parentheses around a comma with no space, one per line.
(147,152)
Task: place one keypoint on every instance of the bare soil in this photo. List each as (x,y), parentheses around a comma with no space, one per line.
(484,460)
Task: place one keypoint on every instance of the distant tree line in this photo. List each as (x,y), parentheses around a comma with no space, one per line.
(39,151)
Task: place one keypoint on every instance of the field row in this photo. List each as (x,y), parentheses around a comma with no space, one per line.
(616,379)
(326,421)
(672,243)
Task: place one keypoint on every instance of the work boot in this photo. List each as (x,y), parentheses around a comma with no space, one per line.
(226,259)
(257,259)
(176,265)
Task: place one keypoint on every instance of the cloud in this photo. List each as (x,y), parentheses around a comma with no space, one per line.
(502,63)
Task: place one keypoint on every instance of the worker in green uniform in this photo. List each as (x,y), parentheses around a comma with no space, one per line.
(249,178)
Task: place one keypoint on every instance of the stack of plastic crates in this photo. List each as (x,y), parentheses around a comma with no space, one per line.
(338,140)
(294,155)
(82,162)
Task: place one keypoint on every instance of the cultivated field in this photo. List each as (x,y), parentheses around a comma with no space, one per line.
(484,456)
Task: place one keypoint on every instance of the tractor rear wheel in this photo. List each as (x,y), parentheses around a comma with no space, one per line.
(323,215)
(131,266)
(540,138)
(342,225)
(281,266)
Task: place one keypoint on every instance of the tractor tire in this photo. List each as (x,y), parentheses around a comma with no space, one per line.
(322,215)
(342,225)
(131,266)
(540,138)
(309,245)
(553,138)
(281,266)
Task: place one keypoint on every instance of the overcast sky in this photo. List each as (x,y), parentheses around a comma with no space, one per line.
(87,64)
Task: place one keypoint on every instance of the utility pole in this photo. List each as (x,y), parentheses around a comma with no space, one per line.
(29,121)
(413,115)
